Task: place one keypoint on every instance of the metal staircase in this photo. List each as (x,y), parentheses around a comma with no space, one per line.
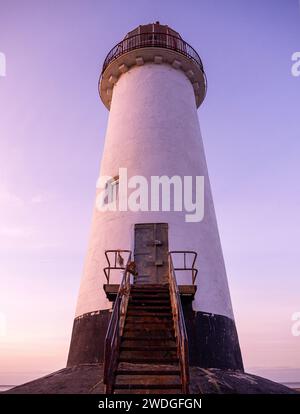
(146,346)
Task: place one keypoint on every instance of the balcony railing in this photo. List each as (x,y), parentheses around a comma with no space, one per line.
(161,40)
(185,262)
(115,261)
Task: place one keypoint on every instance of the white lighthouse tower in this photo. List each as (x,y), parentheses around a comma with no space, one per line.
(152,84)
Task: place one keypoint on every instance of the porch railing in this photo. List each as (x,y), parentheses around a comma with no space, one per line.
(183,266)
(116,262)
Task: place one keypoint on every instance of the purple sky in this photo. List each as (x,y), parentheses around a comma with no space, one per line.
(52,126)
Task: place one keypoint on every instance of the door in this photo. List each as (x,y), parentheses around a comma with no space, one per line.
(151,253)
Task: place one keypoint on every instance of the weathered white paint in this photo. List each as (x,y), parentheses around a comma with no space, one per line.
(153,129)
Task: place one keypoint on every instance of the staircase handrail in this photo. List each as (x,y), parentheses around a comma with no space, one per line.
(180,329)
(115,330)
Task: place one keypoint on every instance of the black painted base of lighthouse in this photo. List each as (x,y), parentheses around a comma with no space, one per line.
(213,339)
(88,337)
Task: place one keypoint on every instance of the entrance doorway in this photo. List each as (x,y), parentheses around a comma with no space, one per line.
(151,246)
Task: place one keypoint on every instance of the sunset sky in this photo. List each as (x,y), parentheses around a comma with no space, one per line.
(52,128)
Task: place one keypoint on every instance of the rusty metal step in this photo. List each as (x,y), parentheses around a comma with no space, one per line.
(147,317)
(156,391)
(147,339)
(155,307)
(149,344)
(170,386)
(147,333)
(148,360)
(149,312)
(149,328)
(150,333)
(149,372)
(146,353)
(149,299)
(149,308)
(152,285)
(150,302)
(149,380)
(143,314)
(148,367)
(148,288)
(150,293)
(163,324)
(141,291)
(149,348)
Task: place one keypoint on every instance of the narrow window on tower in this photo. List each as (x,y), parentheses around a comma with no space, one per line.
(112,190)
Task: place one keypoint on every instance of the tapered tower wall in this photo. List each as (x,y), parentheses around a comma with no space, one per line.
(153,130)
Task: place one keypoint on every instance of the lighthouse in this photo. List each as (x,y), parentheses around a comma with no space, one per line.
(154,314)
(154,246)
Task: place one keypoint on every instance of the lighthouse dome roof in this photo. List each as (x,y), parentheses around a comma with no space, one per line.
(153,28)
(152,43)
